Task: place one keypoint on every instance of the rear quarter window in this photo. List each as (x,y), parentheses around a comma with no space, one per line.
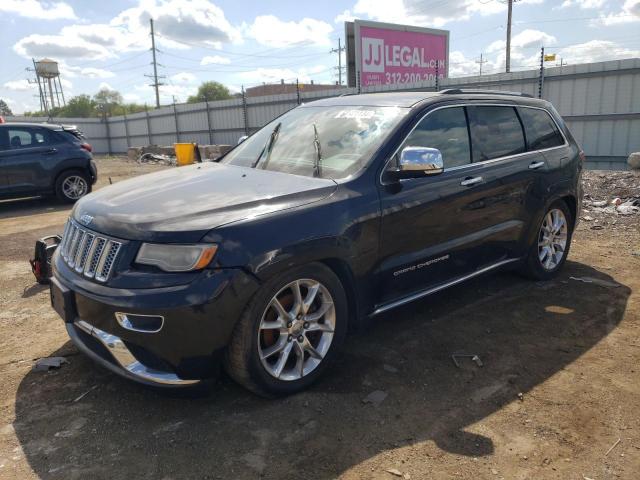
(540,129)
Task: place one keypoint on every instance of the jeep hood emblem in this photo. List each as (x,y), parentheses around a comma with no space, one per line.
(86,219)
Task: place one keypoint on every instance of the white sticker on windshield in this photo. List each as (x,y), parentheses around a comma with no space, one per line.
(355,114)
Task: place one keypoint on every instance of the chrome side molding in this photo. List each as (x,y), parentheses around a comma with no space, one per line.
(388,306)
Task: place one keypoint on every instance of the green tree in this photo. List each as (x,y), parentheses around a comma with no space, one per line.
(210,91)
(81,106)
(107,99)
(4,108)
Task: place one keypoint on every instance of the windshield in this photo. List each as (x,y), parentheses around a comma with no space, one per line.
(328,142)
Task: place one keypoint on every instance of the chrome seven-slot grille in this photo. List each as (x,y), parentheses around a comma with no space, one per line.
(87,252)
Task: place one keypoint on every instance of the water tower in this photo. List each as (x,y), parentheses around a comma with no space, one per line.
(48,77)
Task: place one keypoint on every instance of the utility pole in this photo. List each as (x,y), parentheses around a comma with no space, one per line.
(339,50)
(509,14)
(155,83)
(481,62)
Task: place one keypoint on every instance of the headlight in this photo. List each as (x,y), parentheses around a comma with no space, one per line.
(176,258)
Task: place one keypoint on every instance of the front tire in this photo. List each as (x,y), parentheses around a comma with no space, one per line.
(72,185)
(290,331)
(549,251)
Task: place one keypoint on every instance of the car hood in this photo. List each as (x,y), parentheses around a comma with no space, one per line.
(182,204)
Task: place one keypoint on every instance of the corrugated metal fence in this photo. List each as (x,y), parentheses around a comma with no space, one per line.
(599,101)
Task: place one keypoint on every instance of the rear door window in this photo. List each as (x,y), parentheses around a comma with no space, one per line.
(540,128)
(21,138)
(496,132)
(446,130)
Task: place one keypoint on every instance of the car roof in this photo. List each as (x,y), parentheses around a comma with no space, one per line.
(411,99)
(52,126)
(382,99)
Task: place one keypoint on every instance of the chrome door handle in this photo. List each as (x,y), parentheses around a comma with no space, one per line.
(470,181)
(534,165)
(51,151)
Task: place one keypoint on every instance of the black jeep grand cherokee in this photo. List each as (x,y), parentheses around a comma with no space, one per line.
(336,211)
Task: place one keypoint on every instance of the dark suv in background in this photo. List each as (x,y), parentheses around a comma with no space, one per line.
(336,211)
(44,159)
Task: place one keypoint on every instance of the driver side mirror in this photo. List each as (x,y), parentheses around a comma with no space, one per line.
(418,162)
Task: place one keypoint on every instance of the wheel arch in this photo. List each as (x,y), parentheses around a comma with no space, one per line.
(344,273)
(65,170)
(572,203)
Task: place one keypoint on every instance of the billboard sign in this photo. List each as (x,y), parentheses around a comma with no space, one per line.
(388,54)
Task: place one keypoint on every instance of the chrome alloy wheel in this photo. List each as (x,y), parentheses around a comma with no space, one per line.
(552,239)
(74,187)
(296,329)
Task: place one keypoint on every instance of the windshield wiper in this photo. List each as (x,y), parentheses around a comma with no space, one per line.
(268,147)
(316,143)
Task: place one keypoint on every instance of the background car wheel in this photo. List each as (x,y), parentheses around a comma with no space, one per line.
(549,251)
(290,331)
(72,185)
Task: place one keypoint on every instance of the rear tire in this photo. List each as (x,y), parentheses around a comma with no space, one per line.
(72,185)
(283,342)
(550,248)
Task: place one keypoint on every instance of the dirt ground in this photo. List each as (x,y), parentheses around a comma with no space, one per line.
(559,386)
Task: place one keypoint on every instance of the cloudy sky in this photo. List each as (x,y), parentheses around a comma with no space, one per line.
(106,42)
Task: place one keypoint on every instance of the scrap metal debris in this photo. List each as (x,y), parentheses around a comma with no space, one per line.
(596,281)
(474,358)
(375,398)
(157,159)
(46,364)
(612,447)
(80,397)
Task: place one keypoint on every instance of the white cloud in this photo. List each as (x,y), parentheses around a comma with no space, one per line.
(345,16)
(44,10)
(92,72)
(273,32)
(271,75)
(175,22)
(59,46)
(181,21)
(88,72)
(596,51)
(630,13)
(184,78)
(426,12)
(105,86)
(132,97)
(19,85)
(525,39)
(584,4)
(215,59)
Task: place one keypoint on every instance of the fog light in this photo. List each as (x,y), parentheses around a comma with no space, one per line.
(140,323)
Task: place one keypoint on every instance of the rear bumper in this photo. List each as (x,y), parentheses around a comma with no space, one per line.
(198,320)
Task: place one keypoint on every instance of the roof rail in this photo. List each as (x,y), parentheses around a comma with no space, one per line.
(459,91)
